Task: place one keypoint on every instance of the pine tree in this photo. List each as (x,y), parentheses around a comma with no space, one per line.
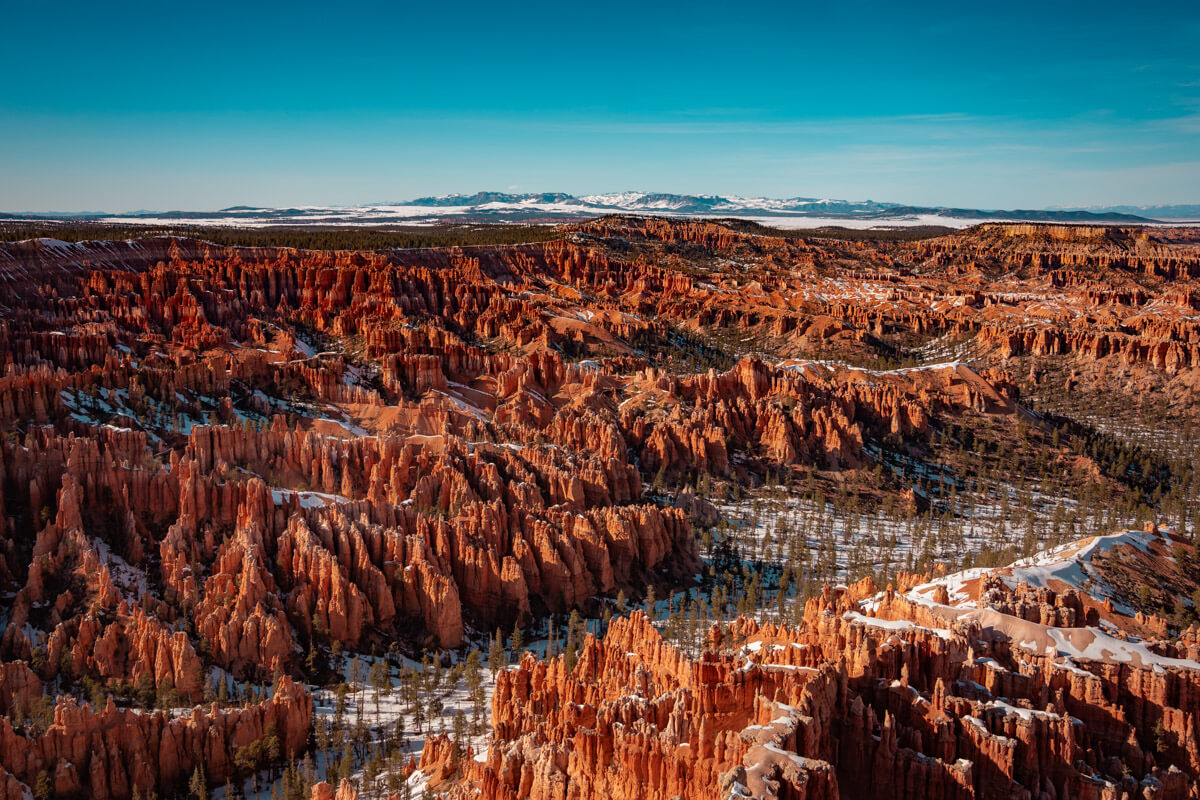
(460,734)
(475,685)
(496,656)
(516,643)
(197,787)
(43,789)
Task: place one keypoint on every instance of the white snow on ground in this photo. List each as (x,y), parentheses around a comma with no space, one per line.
(130,579)
(379,711)
(882,540)
(304,348)
(463,405)
(1070,564)
(1094,644)
(307,499)
(893,624)
(985,518)
(799,366)
(346,425)
(382,708)
(871,223)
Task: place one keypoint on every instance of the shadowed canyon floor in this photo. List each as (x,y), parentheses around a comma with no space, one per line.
(704,513)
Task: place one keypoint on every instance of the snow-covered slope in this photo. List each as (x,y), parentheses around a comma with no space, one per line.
(1069,566)
(1098,568)
(1020,603)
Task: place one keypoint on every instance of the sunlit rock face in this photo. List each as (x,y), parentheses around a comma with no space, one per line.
(977,684)
(229,462)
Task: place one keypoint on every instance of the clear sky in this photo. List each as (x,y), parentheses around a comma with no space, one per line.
(180,105)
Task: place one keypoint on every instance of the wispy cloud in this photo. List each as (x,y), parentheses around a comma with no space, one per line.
(723,127)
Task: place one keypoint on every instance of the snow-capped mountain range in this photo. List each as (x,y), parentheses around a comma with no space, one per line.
(794,212)
(658,202)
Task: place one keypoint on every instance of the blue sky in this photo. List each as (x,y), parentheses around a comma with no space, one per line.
(202,105)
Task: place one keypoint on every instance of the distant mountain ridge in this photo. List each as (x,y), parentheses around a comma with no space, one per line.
(483,198)
(1164,212)
(708,204)
(662,201)
(549,207)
